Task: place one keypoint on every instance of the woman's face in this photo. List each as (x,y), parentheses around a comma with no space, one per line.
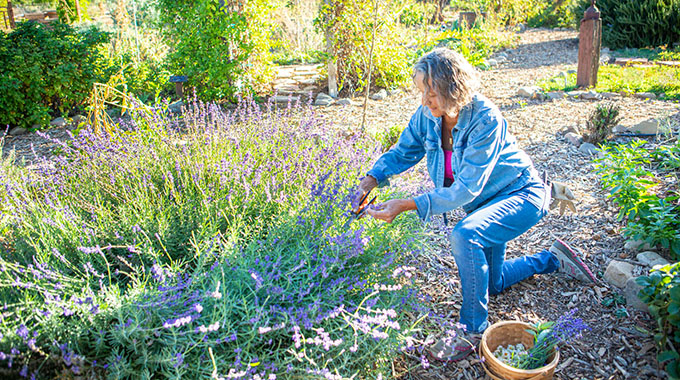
(428,98)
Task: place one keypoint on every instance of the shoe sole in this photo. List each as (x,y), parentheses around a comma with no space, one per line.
(573,257)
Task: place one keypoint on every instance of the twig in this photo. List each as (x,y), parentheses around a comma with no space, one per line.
(370,64)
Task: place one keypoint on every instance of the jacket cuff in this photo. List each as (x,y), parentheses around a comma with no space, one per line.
(423,207)
(380,177)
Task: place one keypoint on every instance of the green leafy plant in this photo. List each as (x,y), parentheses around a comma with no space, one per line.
(633,175)
(661,292)
(220,46)
(601,122)
(68,13)
(48,71)
(637,23)
(389,136)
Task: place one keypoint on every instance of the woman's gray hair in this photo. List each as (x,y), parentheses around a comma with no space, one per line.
(450,76)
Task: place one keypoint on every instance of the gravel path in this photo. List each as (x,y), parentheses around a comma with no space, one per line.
(616,348)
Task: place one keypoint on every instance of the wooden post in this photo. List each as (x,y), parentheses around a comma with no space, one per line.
(332,65)
(10,15)
(467,18)
(80,18)
(590,41)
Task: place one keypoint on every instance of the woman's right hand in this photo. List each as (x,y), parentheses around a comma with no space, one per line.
(367,184)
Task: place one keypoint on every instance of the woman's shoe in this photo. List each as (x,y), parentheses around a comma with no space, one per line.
(454,347)
(570,263)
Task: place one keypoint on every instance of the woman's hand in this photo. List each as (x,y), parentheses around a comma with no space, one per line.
(389,210)
(365,186)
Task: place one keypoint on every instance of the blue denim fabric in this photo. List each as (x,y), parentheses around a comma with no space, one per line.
(478,245)
(495,183)
(485,158)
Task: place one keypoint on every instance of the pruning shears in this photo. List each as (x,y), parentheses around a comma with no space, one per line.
(363,207)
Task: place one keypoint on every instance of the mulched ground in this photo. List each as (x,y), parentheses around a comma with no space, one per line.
(616,347)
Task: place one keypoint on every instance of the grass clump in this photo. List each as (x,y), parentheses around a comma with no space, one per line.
(601,122)
(627,79)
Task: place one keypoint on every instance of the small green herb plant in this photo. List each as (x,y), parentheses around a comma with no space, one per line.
(601,122)
(661,293)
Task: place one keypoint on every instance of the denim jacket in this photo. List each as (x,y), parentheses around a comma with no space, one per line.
(486,160)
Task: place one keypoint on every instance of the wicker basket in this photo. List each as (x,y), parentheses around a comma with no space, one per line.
(512,332)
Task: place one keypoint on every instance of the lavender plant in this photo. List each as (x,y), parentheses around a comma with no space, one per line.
(209,246)
(548,336)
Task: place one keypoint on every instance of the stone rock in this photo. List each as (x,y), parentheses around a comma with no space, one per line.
(605,50)
(284,98)
(574,138)
(556,95)
(647,127)
(630,291)
(18,131)
(501,58)
(589,148)
(323,100)
(58,122)
(618,273)
(645,95)
(528,91)
(521,28)
(604,58)
(345,102)
(492,62)
(571,71)
(651,258)
(608,95)
(590,95)
(620,129)
(77,119)
(308,81)
(396,91)
(637,245)
(176,107)
(575,94)
(380,95)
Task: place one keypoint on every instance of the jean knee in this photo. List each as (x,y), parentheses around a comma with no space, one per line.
(494,290)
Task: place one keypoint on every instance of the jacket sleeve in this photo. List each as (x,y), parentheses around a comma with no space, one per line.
(408,151)
(483,149)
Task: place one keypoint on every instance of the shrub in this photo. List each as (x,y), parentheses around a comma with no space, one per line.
(637,180)
(661,292)
(221,46)
(47,71)
(638,23)
(389,136)
(601,122)
(223,250)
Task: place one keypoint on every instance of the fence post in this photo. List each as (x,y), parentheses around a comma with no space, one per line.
(80,18)
(467,18)
(590,41)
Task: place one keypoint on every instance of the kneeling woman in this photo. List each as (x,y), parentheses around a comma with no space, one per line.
(475,163)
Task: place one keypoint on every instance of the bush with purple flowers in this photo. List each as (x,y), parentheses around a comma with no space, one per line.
(215,245)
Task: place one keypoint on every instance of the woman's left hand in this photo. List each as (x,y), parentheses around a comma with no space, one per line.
(389,210)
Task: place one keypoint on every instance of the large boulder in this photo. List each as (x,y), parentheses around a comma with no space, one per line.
(323,100)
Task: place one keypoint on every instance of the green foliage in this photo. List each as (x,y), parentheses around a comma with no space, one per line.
(633,175)
(221,47)
(351,24)
(475,44)
(628,79)
(47,71)
(652,54)
(536,13)
(389,136)
(67,10)
(416,13)
(601,122)
(638,23)
(661,292)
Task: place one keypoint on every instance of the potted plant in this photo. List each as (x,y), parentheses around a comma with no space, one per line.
(514,350)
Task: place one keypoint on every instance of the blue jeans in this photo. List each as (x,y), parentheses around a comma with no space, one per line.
(478,244)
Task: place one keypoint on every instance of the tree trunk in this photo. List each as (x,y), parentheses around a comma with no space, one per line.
(10,15)
(80,17)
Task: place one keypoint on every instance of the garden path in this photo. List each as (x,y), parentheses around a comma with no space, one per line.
(617,347)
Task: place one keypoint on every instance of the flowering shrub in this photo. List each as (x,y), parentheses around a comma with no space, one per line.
(216,245)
